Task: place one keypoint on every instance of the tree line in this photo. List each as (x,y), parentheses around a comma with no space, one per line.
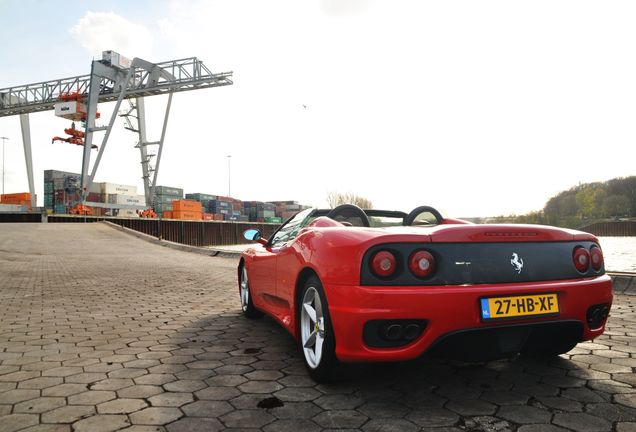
(574,207)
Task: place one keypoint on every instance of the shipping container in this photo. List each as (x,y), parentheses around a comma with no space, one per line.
(59,209)
(115,59)
(114,188)
(208,216)
(136,200)
(186,215)
(22,196)
(13,208)
(128,213)
(186,205)
(49,175)
(48,187)
(200,197)
(169,190)
(273,220)
(167,214)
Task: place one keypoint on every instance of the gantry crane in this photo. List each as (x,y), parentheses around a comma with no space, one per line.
(112,79)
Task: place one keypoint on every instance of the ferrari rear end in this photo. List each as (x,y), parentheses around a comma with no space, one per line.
(474,293)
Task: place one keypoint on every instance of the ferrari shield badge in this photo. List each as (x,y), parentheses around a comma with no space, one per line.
(517,262)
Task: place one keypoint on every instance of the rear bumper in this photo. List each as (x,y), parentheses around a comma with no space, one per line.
(447,310)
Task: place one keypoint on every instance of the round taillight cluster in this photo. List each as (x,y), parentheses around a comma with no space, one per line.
(584,258)
(596,255)
(421,263)
(384,263)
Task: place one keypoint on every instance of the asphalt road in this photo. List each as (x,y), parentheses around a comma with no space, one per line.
(101,331)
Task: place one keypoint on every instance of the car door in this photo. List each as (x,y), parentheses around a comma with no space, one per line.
(263,269)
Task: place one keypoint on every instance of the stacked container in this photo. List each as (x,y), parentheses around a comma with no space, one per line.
(164,196)
(16,202)
(61,190)
(186,210)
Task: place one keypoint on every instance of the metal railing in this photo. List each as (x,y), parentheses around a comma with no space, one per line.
(193,233)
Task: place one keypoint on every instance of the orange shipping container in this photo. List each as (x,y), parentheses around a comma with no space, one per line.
(187,205)
(208,216)
(23,196)
(186,215)
(218,217)
(167,214)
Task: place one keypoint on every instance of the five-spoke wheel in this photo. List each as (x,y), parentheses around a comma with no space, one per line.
(316,335)
(246,299)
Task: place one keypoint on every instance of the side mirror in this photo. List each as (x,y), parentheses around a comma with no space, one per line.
(254,235)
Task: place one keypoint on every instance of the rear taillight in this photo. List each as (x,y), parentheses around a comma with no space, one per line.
(421,263)
(581,259)
(596,256)
(383,264)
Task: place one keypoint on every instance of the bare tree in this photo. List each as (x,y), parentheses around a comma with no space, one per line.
(334,199)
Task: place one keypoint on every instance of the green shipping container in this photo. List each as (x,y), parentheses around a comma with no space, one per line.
(273,220)
(60,209)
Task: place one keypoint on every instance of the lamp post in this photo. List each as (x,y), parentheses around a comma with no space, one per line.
(229,190)
(4,139)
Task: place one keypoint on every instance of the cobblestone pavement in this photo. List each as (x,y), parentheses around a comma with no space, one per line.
(100,331)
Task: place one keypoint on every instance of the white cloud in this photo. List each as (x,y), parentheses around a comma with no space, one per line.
(100,31)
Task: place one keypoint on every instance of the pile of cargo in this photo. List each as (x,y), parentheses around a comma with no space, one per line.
(62,191)
(286,209)
(261,211)
(15,202)
(184,210)
(164,196)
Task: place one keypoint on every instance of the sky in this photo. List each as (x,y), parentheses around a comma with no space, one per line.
(476,108)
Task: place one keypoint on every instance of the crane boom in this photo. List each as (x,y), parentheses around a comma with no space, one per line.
(112,79)
(188,74)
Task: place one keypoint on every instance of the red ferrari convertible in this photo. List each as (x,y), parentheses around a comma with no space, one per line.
(355,285)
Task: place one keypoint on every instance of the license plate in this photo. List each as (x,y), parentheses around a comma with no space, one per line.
(519,306)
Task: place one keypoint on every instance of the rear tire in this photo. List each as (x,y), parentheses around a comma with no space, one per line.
(246,296)
(317,340)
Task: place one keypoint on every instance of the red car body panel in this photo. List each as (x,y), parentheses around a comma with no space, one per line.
(335,254)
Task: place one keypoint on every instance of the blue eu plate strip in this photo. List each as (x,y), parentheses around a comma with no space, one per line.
(485,308)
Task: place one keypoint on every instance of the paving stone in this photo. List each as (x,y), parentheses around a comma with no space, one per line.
(626,399)
(48,428)
(340,419)
(91,397)
(207,408)
(155,416)
(433,417)
(121,406)
(169,399)
(139,391)
(626,427)
(155,379)
(297,394)
(582,422)
(246,419)
(185,386)
(611,412)
(196,424)
(541,428)
(86,378)
(112,384)
(15,422)
(292,426)
(68,414)
(101,423)
(39,405)
(561,403)
(582,395)
(390,425)
(18,395)
(40,383)
(260,387)
(217,393)
(338,401)
(524,414)
(295,410)
(471,407)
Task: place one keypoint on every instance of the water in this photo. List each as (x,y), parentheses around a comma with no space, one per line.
(619,253)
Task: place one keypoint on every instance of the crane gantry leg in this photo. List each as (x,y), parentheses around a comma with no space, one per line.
(28,154)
